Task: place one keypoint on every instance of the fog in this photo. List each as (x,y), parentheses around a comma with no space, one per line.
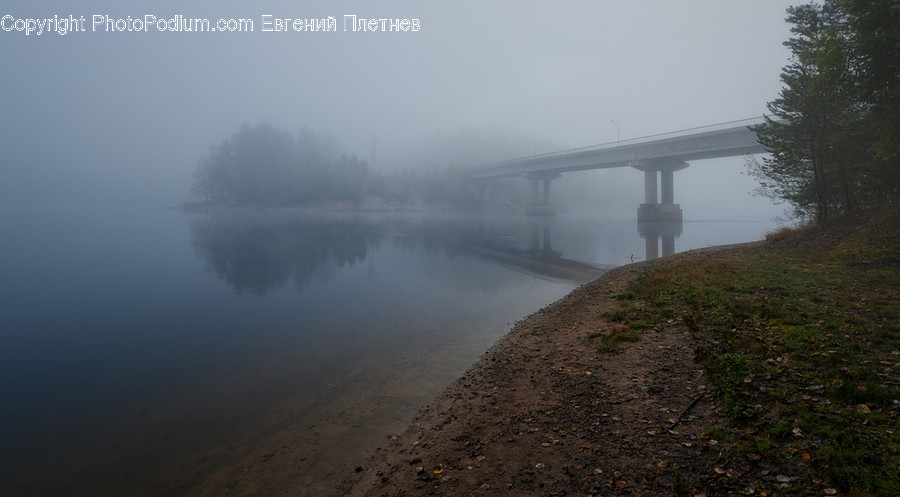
(152,349)
(125,116)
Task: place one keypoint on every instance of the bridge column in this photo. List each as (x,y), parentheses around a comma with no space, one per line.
(655,208)
(540,204)
(650,196)
(659,217)
(668,186)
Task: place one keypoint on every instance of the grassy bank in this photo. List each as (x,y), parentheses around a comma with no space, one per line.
(802,340)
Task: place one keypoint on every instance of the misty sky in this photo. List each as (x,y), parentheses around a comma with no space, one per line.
(128,115)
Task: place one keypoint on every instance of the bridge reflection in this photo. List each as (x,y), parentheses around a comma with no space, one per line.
(655,231)
(535,257)
(256,252)
(528,247)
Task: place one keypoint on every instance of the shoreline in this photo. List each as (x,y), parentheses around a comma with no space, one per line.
(762,368)
(367,205)
(538,413)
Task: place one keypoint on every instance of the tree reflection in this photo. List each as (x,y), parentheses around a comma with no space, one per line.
(259,252)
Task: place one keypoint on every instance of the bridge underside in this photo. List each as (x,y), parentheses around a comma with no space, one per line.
(541,202)
(658,157)
(659,217)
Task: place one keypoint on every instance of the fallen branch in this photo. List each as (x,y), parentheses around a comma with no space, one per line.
(685,411)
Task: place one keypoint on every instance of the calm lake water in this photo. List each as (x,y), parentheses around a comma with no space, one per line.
(162,352)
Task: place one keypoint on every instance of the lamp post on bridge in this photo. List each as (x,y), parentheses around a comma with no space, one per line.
(617,131)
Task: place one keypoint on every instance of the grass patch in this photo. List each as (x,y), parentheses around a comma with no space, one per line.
(803,347)
(610,343)
(785,232)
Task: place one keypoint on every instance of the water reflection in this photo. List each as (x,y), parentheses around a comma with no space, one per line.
(151,374)
(257,252)
(655,231)
(528,247)
(162,380)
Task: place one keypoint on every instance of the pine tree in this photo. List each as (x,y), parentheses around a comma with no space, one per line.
(834,131)
(813,128)
(876,45)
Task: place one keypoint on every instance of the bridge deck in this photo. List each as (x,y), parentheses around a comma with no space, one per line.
(710,142)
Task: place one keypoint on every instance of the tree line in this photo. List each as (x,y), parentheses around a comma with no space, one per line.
(263,165)
(834,131)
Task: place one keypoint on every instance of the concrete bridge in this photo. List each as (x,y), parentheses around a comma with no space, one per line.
(658,156)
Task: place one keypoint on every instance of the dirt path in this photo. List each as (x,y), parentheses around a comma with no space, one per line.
(543,413)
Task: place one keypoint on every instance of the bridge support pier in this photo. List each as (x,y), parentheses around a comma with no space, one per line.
(541,205)
(659,217)
(654,208)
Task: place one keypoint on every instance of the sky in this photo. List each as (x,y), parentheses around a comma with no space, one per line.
(127,115)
